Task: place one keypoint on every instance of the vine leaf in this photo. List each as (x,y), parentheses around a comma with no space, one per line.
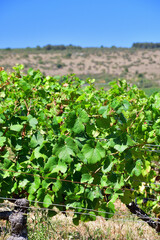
(35,185)
(16,127)
(86,177)
(33,122)
(93,154)
(137,170)
(47,201)
(120,148)
(65,154)
(2,141)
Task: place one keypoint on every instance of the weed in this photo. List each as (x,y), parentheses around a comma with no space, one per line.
(41,61)
(25,56)
(70,70)
(68,55)
(60,64)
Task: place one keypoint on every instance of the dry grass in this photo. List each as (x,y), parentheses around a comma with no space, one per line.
(60,227)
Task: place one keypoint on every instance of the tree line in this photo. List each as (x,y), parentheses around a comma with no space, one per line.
(58,47)
(146,45)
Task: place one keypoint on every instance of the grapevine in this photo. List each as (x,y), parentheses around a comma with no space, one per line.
(64,142)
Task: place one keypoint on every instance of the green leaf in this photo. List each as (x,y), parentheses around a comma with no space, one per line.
(104,111)
(65,149)
(147,168)
(51,213)
(70,142)
(83,115)
(76,123)
(33,122)
(50,164)
(31,197)
(61,167)
(47,201)
(2,141)
(120,148)
(81,97)
(47,182)
(114,197)
(65,154)
(30,71)
(138,168)
(111,206)
(16,127)
(94,193)
(115,104)
(14,188)
(126,104)
(93,154)
(103,122)
(108,164)
(78,126)
(54,165)
(23,183)
(86,178)
(104,210)
(130,141)
(90,217)
(127,197)
(90,129)
(7,163)
(38,154)
(1,120)
(35,185)
(70,121)
(2,94)
(33,142)
(57,186)
(76,219)
(41,194)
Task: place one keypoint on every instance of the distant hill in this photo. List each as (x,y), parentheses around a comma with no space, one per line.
(138,64)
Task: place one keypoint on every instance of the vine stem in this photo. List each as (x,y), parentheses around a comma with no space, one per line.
(143,216)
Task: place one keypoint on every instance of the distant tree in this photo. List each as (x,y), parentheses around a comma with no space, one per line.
(48,47)
(113,47)
(71,47)
(8,49)
(38,47)
(61,47)
(146,45)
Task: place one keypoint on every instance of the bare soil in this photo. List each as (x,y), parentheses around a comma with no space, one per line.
(128,63)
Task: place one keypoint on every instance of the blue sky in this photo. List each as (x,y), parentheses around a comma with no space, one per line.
(87,23)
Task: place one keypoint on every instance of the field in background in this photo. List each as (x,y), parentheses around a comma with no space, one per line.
(139,66)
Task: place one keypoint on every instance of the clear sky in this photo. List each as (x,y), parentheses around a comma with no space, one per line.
(87,23)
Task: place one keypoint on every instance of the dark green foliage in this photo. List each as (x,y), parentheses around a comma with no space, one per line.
(146,45)
(62,141)
(60,47)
